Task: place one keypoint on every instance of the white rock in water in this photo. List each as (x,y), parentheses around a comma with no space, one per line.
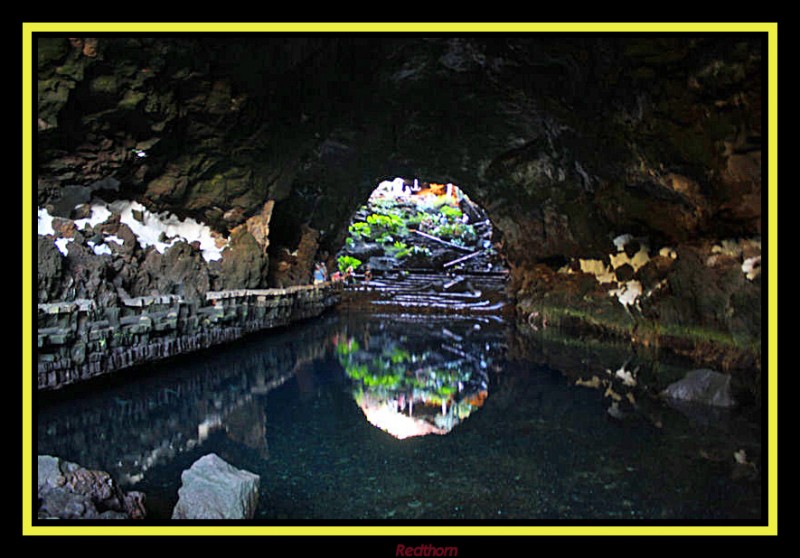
(702,386)
(214,489)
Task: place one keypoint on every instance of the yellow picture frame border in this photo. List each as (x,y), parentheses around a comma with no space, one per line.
(82,29)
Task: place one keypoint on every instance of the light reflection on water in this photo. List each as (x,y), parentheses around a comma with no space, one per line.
(522,440)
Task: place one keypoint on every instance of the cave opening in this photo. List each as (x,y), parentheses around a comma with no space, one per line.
(424,246)
(424,285)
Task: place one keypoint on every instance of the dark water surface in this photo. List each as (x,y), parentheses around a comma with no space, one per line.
(370,417)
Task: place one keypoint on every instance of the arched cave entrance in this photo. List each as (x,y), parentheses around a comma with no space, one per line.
(423,246)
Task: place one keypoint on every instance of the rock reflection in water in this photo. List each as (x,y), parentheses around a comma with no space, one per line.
(417,378)
(130,427)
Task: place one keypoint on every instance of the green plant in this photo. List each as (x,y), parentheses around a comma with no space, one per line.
(448,231)
(435,202)
(450,212)
(385,238)
(384,206)
(348,261)
(417,219)
(362,230)
(386,223)
(398,250)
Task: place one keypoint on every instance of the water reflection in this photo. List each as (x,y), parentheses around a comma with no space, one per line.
(549,427)
(142,422)
(418,378)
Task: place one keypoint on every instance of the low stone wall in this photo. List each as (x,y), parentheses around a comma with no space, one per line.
(77,340)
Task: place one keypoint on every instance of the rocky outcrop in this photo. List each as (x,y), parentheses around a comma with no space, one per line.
(50,266)
(214,489)
(244,265)
(294,268)
(180,270)
(68,491)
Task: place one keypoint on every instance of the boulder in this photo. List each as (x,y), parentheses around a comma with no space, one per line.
(243,264)
(702,386)
(68,491)
(365,250)
(214,489)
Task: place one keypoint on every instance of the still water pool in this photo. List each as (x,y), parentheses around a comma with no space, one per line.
(393,418)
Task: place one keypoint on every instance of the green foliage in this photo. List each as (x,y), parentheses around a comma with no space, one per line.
(435,202)
(398,355)
(347,261)
(399,250)
(392,224)
(451,231)
(450,212)
(360,230)
(418,219)
(388,221)
(382,206)
(385,238)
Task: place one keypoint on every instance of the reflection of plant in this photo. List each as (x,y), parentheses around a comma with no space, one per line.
(391,370)
(414,387)
(347,348)
(398,355)
(348,261)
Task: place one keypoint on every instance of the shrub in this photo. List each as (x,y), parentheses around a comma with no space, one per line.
(386,223)
(347,261)
(452,231)
(399,250)
(360,230)
(451,213)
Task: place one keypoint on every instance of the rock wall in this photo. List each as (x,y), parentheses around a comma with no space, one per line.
(79,340)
